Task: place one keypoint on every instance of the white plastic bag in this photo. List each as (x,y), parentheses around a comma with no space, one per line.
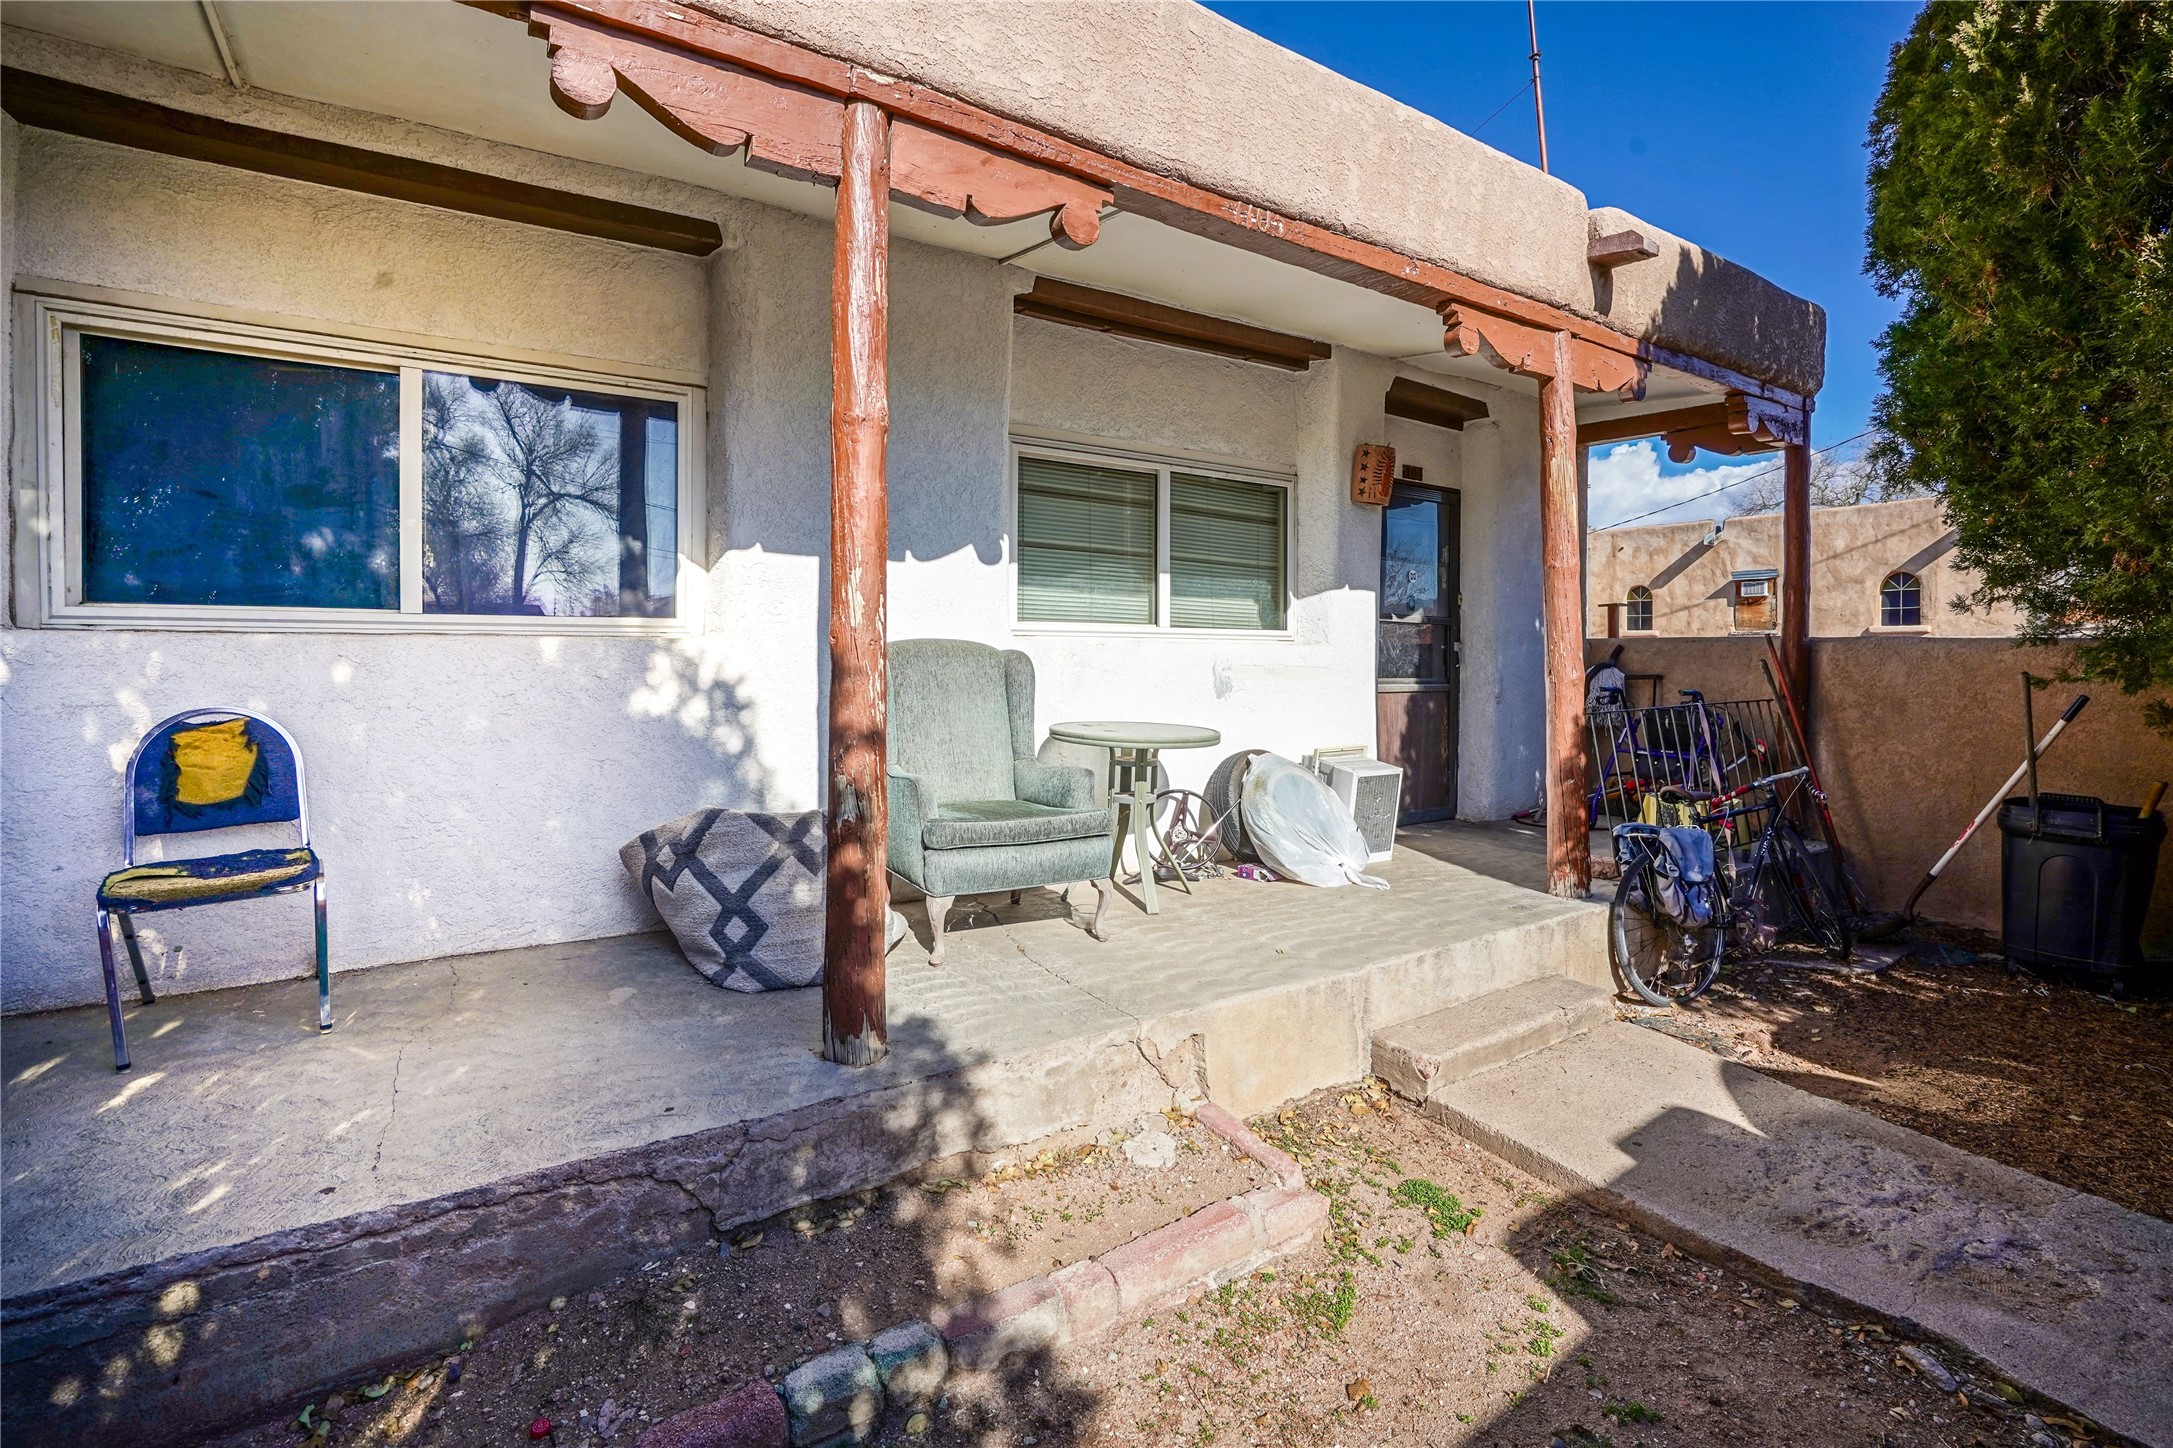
(1300,828)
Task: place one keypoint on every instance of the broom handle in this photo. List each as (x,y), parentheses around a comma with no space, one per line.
(1995,801)
(1790,716)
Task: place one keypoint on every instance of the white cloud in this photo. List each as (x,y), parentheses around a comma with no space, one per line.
(1626,481)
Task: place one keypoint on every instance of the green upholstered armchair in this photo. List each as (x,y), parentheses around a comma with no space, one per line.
(971,813)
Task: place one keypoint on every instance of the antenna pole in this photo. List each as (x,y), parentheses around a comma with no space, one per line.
(1539,99)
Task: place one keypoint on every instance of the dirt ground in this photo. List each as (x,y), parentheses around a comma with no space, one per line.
(2052,1078)
(679,1332)
(1456,1302)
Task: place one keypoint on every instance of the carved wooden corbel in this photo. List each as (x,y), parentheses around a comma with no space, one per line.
(1511,346)
(953,177)
(1748,424)
(1765,421)
(785,128)
(1529,352)
(792,130)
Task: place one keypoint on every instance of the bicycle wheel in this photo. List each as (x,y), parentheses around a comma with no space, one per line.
(1660,961)
(1817,911)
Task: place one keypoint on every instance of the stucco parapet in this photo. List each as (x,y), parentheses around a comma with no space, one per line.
(1693,300)
(1250,120)
(1327,150)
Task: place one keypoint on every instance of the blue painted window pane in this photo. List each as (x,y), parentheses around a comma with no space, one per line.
(547,501)
(210,478)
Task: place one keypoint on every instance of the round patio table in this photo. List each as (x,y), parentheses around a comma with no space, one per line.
(1135,750)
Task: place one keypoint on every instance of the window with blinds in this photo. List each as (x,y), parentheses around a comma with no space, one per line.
(1135,544)
(1086,543)
(1225,553)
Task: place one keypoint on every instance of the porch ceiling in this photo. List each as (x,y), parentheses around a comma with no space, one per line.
(468,71)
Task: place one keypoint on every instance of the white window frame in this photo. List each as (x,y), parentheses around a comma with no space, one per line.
(1161,464)
(50,493)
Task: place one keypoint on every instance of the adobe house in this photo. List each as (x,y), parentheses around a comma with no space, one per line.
(1877,569)
(824,299)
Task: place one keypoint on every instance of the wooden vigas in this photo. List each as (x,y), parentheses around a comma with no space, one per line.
(792,129)
(1619,248)
(1373,474)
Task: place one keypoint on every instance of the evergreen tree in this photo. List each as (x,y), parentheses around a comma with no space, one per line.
(2021,194)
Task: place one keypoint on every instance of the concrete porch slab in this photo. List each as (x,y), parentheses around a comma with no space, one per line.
(2060,1291)
(481,1132)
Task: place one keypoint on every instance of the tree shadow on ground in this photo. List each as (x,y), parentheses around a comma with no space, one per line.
(2052,1078)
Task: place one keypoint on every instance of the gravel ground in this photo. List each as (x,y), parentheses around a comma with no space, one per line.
(1456,1302)
(2050,1078)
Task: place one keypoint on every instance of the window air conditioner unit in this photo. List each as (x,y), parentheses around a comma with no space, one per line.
(1373,793)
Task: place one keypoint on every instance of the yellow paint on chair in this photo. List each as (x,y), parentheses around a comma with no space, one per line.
(213,764)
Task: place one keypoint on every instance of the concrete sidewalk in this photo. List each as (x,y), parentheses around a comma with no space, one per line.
(2062,1292)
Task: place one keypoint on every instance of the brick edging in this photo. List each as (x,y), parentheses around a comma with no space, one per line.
(1219,1243)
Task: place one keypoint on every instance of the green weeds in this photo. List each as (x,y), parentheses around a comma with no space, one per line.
(1448,1216)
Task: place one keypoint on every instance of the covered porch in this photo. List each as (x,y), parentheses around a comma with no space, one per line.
(259,1211)
(714,132)
(868,293)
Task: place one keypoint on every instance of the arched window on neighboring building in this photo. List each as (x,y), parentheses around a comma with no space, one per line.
(1901,601)
(1637,612)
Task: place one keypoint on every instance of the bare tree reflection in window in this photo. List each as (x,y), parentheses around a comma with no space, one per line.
(525,499)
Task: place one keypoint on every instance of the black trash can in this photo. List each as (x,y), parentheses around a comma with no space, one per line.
(2076,875)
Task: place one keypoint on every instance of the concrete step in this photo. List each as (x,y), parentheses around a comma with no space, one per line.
(1419,1057)
(2063,1293)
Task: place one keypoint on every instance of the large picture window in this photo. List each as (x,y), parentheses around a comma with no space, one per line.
(1113,541)
(210,478)
(226,475)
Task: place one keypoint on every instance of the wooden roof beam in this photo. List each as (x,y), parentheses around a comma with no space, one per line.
(1073,305)
(1619,248)
(1436,406)
(79,110)
(1733,426)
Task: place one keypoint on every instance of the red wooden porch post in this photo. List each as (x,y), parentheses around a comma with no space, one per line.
(1796,569)
(856,898)
(1569,842)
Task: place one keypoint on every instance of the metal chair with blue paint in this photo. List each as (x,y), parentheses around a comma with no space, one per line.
(207,769)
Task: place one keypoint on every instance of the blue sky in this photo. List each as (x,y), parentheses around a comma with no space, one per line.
(1740,126)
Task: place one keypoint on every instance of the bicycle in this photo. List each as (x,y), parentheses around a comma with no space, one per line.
(1697,742)
(1669,929)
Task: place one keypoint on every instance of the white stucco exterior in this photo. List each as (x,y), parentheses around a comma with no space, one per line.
(470,791)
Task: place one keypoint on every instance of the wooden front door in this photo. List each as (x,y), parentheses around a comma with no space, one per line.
(1419,652)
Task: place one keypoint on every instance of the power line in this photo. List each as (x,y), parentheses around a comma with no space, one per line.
(1500,108)
(1739,482)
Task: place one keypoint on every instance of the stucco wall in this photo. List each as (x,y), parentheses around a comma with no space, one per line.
(470,792)
(463,787)
(1852,551)
(1176,89)
(1913,735)
(1290,695)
